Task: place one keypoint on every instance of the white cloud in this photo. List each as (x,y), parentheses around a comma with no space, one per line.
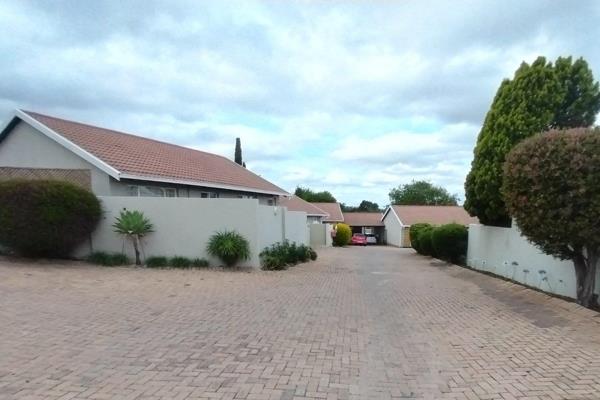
(350,97)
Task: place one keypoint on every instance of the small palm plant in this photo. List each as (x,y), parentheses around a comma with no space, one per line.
(229,246)
(133,225)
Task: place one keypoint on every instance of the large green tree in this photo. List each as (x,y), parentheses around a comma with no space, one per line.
(551,188)
(422,193)
(364,206)
(368,206)
(314,197)
(540,96)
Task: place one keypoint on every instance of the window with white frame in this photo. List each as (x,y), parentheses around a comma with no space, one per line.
(209,195)
(151,191)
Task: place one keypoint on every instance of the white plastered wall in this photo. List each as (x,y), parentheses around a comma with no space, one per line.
(505,252)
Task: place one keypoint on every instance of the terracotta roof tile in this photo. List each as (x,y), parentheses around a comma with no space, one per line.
(333,209)
(435,215)
(295,203)
(363,218)
(148,158)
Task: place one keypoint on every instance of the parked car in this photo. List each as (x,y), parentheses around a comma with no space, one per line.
(359,239)
(371,238)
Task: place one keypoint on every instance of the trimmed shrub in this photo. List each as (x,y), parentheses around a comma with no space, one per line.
(108,259)
(200,263)
(425,242)
(180,262)
(450,242)
(229,246)
(46,218)
(551,187)
(343,234)
(414,231)
(313,254)
(157,262)
(279,256)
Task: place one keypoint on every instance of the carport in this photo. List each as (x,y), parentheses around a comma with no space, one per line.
(368,223)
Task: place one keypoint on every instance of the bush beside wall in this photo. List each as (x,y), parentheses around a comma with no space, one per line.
(414,232)
(282,255)
(41,218)
(426,242)
(108,259)
(450,242)
(447,242)
(343,234)
(229,246)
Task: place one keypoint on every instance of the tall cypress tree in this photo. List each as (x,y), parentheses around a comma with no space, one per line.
(238,152)
(539,97)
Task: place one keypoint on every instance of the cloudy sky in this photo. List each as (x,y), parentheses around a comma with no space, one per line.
(352,97)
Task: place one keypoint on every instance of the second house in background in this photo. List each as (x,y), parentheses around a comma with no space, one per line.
(398,219)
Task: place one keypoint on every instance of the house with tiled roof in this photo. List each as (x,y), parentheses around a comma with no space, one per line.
(398,219)
(113,163)
(333,210)
(314,214)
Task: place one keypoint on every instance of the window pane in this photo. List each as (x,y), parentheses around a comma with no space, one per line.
(151,191)
(171,192)
(204,195)
(132,190)
(214,195)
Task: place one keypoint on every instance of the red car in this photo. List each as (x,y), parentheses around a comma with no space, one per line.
(359,239)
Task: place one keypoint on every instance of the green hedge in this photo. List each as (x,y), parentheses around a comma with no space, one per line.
(44,218)
(447,242)
(450,242)
(426,242)
(414,232)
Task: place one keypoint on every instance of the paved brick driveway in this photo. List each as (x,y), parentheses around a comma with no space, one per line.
(361,323)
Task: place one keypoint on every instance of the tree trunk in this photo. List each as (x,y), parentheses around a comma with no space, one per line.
(585,273)
(136,239)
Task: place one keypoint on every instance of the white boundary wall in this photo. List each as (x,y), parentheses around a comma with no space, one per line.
(320,235)
(505,252)
(184,225)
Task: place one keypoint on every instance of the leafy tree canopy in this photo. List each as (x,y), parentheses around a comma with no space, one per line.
(314,197)
(364,206)
(551,188)
(422,193)
(539,97)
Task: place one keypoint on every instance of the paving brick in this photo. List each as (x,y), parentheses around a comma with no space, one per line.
(360,323)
